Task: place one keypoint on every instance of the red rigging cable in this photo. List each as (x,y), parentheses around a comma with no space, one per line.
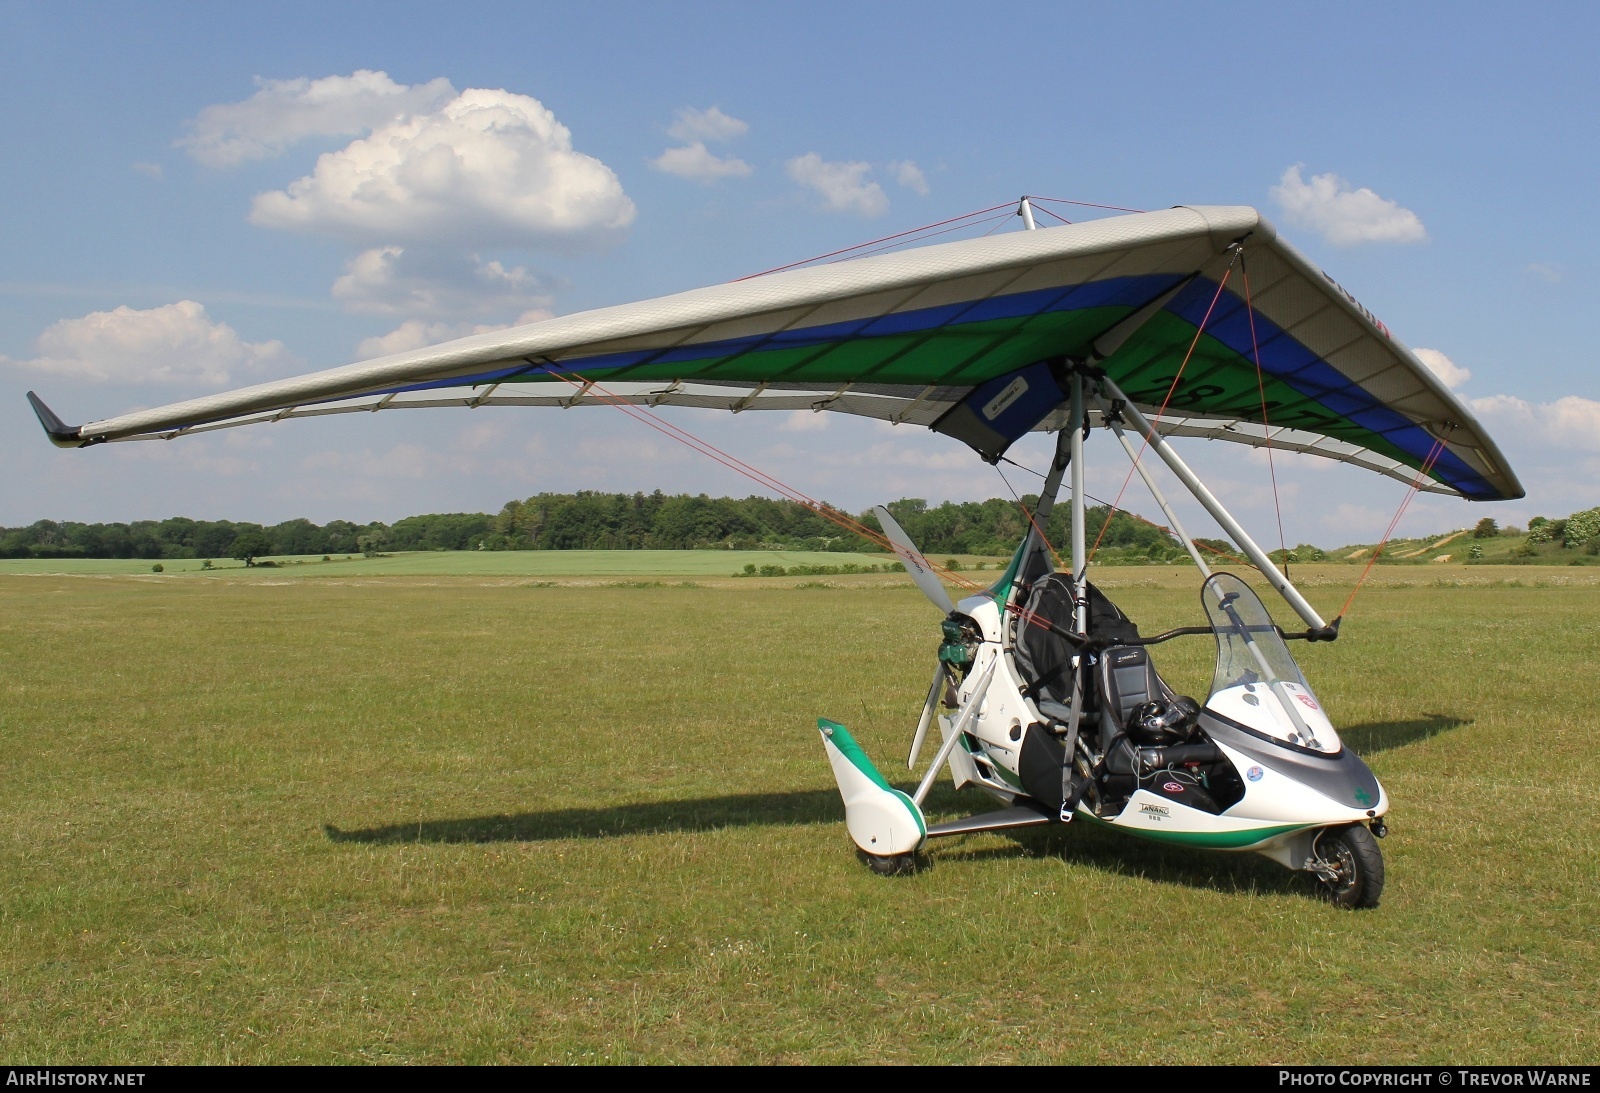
(1171,390)
(733,463)
(1266,425)
(998,218)
(887,242)
(1405,502)
(874,242)
(907,236)
(1230,556)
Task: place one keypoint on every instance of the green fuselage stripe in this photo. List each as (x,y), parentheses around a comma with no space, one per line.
(840,737)
(1209,840)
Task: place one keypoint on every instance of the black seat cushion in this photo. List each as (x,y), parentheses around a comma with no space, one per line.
(1127,681)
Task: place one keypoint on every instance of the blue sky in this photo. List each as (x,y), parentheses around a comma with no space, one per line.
(140,264)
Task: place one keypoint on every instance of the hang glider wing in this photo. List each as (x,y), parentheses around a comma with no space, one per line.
(968,338)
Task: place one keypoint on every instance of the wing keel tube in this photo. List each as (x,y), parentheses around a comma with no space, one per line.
(60,433)
(883,821)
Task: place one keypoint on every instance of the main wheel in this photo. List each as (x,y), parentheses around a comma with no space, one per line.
(1349,866)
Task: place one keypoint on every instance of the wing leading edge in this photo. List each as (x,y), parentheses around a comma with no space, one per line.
(912,337)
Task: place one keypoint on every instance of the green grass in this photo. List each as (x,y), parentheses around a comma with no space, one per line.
(487,563)
(1456,547)
(471,819)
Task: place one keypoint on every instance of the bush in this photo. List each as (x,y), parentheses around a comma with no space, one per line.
(1582,526)
(249,546)
(158,568)
(953,565)
(1475,552)
(1487,529)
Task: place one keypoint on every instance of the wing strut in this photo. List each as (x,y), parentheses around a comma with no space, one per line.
(1222,516)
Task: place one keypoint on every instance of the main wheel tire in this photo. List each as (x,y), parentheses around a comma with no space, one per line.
(891,865)
(1357,863)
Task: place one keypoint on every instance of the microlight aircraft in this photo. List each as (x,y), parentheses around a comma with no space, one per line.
(1192,322)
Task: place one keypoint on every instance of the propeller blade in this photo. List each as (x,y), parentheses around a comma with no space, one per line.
(914,561)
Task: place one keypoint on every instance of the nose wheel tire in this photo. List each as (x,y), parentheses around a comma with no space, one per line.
(891,865)
(1349,866)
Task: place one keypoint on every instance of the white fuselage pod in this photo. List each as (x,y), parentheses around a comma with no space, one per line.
(1004,713)
(1290,789)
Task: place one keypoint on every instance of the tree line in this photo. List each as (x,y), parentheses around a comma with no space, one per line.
(587,520)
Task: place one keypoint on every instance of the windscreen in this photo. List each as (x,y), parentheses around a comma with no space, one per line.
(1257,682)
(1249,649)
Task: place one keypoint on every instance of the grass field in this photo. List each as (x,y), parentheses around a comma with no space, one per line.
(486,563)
(480,818)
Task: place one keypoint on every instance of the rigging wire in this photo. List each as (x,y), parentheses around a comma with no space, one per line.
(1087,204)
(873,242)
(761,478)
(1405,502)
(1266,426)
(914,235)
(1000,219)
(999,223)
(1171,390)
(1045,539)
(1231,557)
(1052,212)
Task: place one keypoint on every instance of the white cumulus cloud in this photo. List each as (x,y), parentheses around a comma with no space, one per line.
(693,160)
(703,125)
(909,175)
(843,187)
(176,343)
(1449,372)
(803,421)
(488,168)
(1571,421)
(696,164)
(1344,216)
(418,334)
(418,281)
(283,112)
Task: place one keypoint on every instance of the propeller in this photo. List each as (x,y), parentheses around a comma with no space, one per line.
(915,562)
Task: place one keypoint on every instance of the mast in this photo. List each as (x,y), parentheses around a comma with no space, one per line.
(1080,560)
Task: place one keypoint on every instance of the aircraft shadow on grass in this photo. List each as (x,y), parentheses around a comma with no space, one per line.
(658,817)
(1379,736)
(1081,843)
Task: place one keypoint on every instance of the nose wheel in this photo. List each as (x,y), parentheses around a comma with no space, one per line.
(1348,865)
(891,865)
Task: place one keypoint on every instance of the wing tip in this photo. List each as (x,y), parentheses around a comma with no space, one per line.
(60,433)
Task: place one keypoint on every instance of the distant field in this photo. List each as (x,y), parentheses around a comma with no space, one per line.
(505,563)
(417,817)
